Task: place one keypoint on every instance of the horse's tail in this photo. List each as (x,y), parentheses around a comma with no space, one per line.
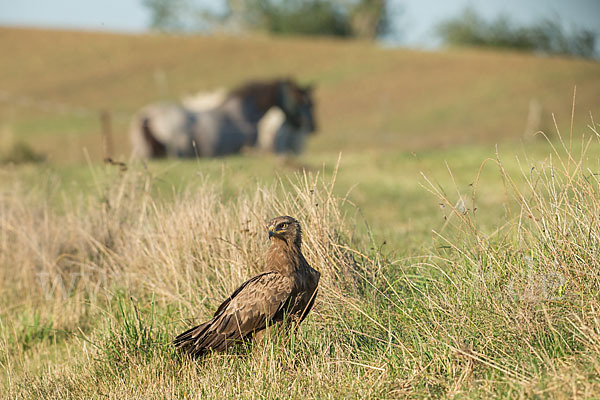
(157,149)
(143,141)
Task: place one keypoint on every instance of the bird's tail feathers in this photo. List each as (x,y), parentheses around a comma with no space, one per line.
(188,341)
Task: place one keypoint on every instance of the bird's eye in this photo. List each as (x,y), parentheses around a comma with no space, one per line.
(283,226)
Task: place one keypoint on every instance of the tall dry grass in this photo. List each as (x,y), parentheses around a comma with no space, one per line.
(93,294)
(521,299)
(107,283)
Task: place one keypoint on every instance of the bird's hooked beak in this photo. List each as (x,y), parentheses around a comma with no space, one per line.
(271,231)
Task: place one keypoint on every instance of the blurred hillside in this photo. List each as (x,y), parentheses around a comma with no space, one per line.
(54,85)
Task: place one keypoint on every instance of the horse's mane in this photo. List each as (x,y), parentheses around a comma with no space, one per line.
(253,87)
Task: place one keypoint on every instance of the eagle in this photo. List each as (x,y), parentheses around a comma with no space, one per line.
(283,294)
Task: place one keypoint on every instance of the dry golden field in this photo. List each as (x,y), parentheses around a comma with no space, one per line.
(459,258)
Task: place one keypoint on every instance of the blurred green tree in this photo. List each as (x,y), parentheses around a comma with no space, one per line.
(346,18)
(547,36)
(167,15)
(305,17)
(370,18)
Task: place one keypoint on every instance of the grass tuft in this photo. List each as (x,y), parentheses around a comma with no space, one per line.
(20,153)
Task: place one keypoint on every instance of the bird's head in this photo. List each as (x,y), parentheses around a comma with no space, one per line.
(285,228)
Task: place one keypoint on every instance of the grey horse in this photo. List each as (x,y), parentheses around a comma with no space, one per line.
(170,129)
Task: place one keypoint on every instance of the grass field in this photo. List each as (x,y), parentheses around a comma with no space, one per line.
(457,259)
(55,84)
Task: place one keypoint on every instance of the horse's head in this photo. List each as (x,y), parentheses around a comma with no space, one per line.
(297,104)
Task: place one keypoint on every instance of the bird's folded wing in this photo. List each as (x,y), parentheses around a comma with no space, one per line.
(253,305)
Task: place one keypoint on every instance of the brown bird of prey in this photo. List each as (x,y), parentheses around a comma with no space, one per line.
(285,293)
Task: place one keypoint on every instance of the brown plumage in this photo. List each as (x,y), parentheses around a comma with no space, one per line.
(285,292)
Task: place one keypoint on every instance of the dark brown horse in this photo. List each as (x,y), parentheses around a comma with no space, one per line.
(173,130)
